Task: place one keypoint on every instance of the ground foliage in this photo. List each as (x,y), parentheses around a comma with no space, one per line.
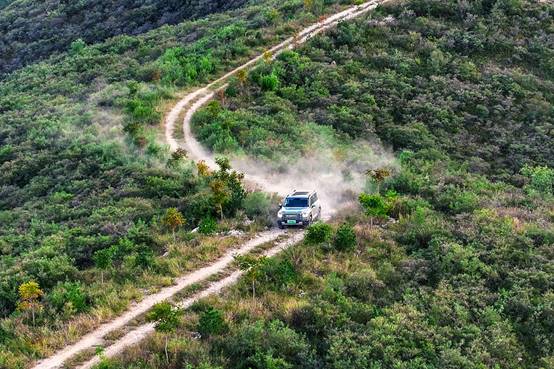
(474,80)
(33,30)
(449,262)
(84,175)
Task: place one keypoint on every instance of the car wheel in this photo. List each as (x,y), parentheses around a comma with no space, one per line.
(280,225)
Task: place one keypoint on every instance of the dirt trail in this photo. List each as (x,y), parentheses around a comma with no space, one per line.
(193,101)
(190,104)
(141,332)
(95,337)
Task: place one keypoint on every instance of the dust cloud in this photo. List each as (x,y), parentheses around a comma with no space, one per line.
(338,175)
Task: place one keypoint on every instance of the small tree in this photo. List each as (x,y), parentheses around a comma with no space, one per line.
(203,169)
(221,96)
(375,206)
(268,57)
(220,194)
(173,219)
(167,319)
(242,77)
(378,176)
(253,269)
(103,260)
(29,298)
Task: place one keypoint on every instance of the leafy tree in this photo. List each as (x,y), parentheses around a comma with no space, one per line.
(374,205)
(173,219)
(252,266)
(202,168)
(378,176)
(104,259)
(220,195)
(29,298)
(242,76)
(267,57)
(167,319)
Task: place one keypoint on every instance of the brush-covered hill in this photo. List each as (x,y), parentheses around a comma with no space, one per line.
(448,260)
(33,30)
(90,197)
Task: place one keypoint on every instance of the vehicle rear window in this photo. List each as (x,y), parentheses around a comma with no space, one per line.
(296,202)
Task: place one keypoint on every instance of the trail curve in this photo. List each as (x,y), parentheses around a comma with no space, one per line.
(190,104)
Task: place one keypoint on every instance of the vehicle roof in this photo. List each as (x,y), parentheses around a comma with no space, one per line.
(301,193)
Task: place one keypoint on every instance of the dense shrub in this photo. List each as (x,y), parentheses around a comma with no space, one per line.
(211,322)
(68,298)
(268,345)
(345,238)
(207,226)
(318,233)
(28,36)
(258,205)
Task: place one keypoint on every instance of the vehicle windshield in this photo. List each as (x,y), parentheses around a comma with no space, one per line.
(296,202)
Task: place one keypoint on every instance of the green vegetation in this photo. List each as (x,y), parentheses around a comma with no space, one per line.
(447,263)
(166,318)
(429,288)
(85,183)
(34,31)
(428,75)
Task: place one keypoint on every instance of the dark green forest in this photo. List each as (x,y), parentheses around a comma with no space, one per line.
(33,31)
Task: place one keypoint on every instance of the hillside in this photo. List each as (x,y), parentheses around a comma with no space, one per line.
(432,76)
(87,192)
(434,118)
(447,262)
(32,31)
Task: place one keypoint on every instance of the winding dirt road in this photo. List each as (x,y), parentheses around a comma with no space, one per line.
(190,104)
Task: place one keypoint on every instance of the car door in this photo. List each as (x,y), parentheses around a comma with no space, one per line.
(316,206)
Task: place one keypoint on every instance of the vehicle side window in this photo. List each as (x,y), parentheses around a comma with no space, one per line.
(314,198)
(311,201)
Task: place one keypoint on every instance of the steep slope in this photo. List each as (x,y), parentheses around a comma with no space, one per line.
(447,263)
(32,31)
(474,82)
(85,180)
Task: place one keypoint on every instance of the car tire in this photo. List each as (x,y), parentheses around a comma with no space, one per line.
(280,225)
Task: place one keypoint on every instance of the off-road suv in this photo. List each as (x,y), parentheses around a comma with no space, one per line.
(299,208)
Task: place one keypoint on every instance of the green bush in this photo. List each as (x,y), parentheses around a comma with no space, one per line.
(211,322)
(541,178)
(278,273)
(68,297)
(318,233)
(345,238)
(269,82)
(262,343)
(207,226)
(257,205)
